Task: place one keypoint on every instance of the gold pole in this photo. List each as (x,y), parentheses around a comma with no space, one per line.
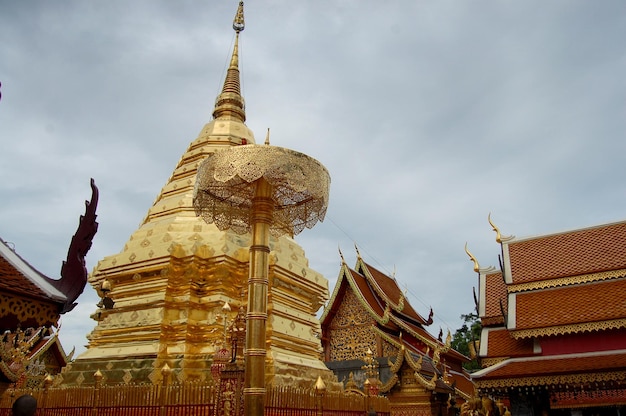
(254,383)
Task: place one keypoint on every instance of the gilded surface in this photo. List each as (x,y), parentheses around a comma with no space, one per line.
(566,281)
(570,329)
(173,276)
(566,379)
(28,309)
(351,331)
(226,186)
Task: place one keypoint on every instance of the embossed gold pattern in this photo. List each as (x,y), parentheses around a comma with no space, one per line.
(351,331)
(566,281)
(225,188)
(566,379)
(27,309)
(570,329)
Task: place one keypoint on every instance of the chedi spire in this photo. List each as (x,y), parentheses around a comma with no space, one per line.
(230,105)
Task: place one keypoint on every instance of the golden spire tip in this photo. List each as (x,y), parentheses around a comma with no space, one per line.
(238,22)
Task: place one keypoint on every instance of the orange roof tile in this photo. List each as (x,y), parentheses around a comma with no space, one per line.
(390,288)
(608,361)
(13,280)
(571,253)
(590,302)
(366,292)
(501,344)
(496,292)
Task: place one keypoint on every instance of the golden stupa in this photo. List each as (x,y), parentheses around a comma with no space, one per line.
(164,293)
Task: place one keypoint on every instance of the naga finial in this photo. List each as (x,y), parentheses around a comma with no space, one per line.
(473,259)
(358,254)
(499,238)
(238,23)
(343,261)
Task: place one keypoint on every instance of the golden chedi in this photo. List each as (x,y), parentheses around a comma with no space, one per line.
(163,294)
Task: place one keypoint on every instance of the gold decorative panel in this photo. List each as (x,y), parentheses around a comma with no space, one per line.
(351,331)
(28,309)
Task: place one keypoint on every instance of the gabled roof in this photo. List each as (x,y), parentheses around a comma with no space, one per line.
(382,298)
(36,341)
(570,253)
(387,289)
(19,277)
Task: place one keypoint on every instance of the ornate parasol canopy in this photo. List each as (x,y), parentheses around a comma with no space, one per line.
(226,183)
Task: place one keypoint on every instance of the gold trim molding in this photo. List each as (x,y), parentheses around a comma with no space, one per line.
(569,329)
(567,281)
(550,380)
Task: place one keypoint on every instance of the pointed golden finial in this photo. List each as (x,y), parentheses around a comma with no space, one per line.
(320,386)
(499,238)
(343,261)
(267,137)
(472,258)
(358,253)
(230,104)
(238,23)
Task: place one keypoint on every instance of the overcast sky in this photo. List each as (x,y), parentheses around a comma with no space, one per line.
(428,115)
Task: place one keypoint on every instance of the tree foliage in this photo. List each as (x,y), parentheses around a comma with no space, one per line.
(466,335)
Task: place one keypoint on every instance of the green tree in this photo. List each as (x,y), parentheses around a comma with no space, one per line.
(468,334)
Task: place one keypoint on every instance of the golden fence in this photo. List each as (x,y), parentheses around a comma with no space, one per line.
(188,399)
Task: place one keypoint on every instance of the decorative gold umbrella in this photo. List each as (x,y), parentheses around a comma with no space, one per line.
(260,189)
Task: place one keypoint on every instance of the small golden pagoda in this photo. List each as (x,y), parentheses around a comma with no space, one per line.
(164,293)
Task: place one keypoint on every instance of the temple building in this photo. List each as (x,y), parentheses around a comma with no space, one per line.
(168,287)
(376,342)
(31,305)
(553,317)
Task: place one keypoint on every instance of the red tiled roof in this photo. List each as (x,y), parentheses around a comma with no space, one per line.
(390,288)
(572,253)
(12,281)
(501,344)
(366,292)
(555,365)
(496,292)
(590,302)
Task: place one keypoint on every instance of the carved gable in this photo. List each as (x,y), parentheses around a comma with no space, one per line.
(351,330)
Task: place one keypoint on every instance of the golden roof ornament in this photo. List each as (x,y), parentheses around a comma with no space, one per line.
(343,261)
(499,238)
(473,259)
